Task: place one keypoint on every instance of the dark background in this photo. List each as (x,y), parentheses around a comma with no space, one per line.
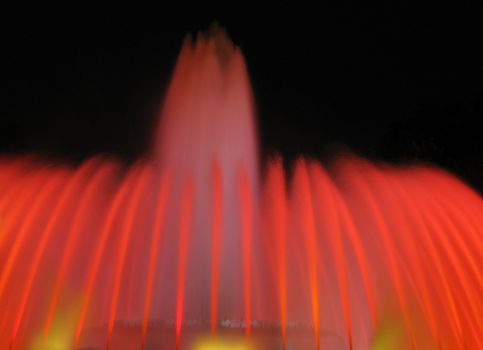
(393,82)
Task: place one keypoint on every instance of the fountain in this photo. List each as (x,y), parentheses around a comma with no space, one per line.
(196,248)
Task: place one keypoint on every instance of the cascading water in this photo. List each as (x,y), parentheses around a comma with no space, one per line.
(195,242)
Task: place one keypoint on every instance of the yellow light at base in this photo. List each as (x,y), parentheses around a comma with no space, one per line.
(61,333)
(223,344)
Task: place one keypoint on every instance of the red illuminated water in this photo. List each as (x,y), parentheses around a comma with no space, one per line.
(197,239)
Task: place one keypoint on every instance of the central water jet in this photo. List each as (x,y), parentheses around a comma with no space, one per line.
(207,135)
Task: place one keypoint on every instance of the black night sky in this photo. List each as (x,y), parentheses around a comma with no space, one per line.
(393,82)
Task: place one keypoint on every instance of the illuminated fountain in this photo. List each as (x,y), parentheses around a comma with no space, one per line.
(195,249)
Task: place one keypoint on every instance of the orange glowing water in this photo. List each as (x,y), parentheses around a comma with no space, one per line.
(371,255)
